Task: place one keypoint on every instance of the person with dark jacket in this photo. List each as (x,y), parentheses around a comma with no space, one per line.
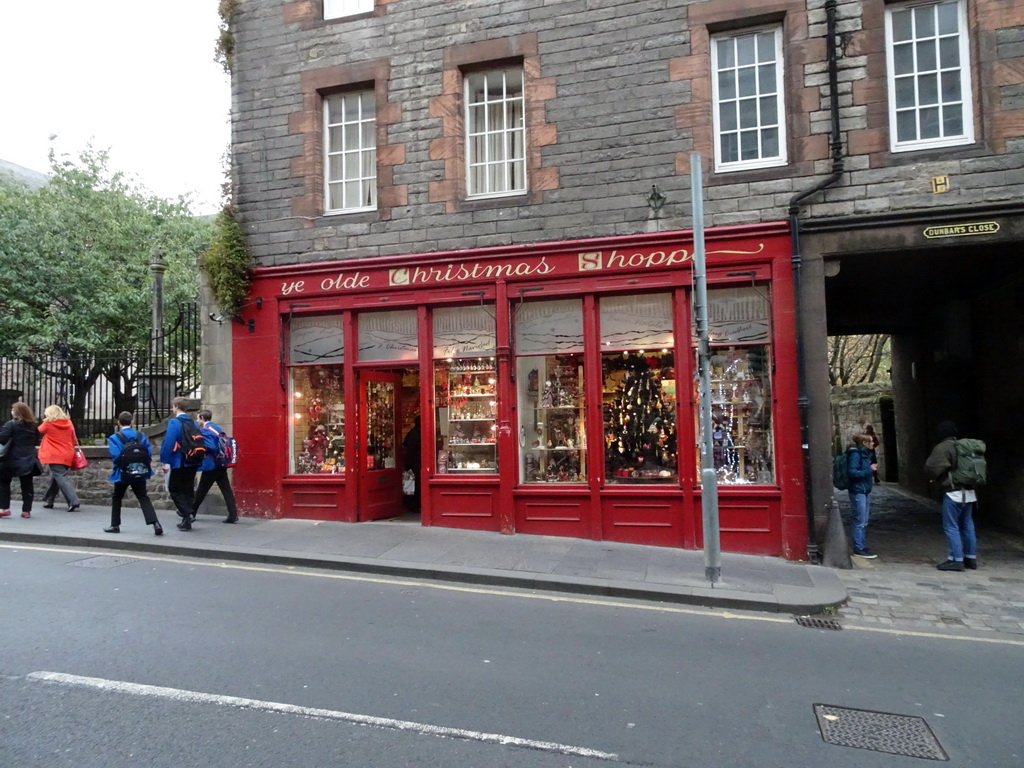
(212,472)
(181,484)
(412,450)
(860,468)
(957,503)
(57,451)
(21,437)
(115,445)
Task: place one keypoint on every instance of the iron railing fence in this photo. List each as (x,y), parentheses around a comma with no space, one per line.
(95,388)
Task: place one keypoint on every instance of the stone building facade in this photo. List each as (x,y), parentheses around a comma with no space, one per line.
(912,237)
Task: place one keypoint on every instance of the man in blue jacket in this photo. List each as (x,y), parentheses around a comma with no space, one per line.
(211,468)
(136,481)
(860,468)
(181,484)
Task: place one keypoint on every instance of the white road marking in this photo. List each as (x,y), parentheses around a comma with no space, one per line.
(177,694)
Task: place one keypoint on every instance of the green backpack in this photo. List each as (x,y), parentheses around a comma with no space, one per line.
(971,469)
(840,476)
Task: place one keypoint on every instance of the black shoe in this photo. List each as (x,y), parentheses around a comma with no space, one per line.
(158,529)
(971,563)
(866,553)
(231,519)
(74,507)
(950,565)
(192,517)
(47,505)
(112,529)
(184,526)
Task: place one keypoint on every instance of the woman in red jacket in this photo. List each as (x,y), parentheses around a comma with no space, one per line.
(57,451)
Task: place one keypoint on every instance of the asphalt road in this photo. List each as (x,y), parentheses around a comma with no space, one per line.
(161,661)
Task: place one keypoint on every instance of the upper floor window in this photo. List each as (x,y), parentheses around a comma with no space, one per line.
(748,100)
(350,152)
(929,76)
(495,133)
(336,9)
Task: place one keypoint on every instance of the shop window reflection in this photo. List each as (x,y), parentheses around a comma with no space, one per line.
(466,397)
(318,420)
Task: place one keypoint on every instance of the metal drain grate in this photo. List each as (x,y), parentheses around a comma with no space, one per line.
(103,561)
(816,622)
(878,731)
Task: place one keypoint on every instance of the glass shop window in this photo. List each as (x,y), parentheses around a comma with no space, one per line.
(739,329)
(549,379)
(388,336)
(639,390)
(466,390)
(317,393)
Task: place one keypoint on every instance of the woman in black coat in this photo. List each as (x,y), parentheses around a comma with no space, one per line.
(21,436)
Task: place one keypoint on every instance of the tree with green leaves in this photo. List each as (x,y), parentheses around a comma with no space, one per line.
(75,255)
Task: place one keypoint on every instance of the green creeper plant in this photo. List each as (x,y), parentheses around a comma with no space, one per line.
(228,263)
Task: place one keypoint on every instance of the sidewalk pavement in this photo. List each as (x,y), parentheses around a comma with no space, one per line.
(404,548)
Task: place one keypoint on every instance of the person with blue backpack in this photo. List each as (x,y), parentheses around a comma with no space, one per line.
(182,453)
(215,466)
(131,456)
(860,471)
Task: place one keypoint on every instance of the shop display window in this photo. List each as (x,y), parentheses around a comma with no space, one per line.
(741,402)
(639,390)
(318,420)
(465,390)
(552,429)
(388,336)
(316,352)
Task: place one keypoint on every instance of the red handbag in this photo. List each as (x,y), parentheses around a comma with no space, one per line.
(78,461)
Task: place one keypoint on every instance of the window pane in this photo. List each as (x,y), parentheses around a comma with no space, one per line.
(477,88)
(351,152)
(549,327)
(726,53)
(748,113)
(495,131)
(950,87)
(770,142)
(318,420)
(906,94)
(747,81)
(388,335)
(924,21)
(727,120)
(766,46)
(334,140)
(949,52)
(748,145)
(552,434)
(930,123)
(514,83)
(730,147)
(727,84)
(903,59)
(738,315)
(926,61)
(464,331)
(902,28)
(769,113)
(949,18)
(636,322)
(741,404)
(639,410)
(745,50)
(928,90)
(952,120)
(906,125)
(351,192)
(316,340)
(466,399)
(766,78)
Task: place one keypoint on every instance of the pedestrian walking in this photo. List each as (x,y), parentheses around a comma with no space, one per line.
(861,471)
(56,452)
(132,457)
(958,502)
(213,468)
(20,437)
(174,452)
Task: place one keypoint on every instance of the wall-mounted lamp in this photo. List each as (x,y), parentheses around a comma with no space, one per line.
(655,200)
(220,320)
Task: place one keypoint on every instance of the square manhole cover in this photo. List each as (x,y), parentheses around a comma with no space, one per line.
(878,731)
(104,561)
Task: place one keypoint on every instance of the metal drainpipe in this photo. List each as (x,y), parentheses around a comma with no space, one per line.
(836,146)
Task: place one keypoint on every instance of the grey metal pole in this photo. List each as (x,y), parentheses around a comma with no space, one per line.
(708,476)
(157,266)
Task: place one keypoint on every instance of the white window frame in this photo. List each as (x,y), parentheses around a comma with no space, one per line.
(339,9)
(762,124)
(504,134)
(965,102)
(365,153)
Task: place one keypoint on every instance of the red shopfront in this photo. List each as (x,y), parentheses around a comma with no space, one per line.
(554,385)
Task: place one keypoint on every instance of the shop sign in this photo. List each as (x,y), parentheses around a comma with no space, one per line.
(962,230)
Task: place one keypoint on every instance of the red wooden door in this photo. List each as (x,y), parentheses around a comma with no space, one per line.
(380,476)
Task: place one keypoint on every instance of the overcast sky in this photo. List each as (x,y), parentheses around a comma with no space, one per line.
(136,77)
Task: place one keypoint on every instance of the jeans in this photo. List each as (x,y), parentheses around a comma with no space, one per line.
(860,503)
(958,523)
(60,479)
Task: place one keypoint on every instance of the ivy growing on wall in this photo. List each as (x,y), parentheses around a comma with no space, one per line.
(228,263)
(225,48)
